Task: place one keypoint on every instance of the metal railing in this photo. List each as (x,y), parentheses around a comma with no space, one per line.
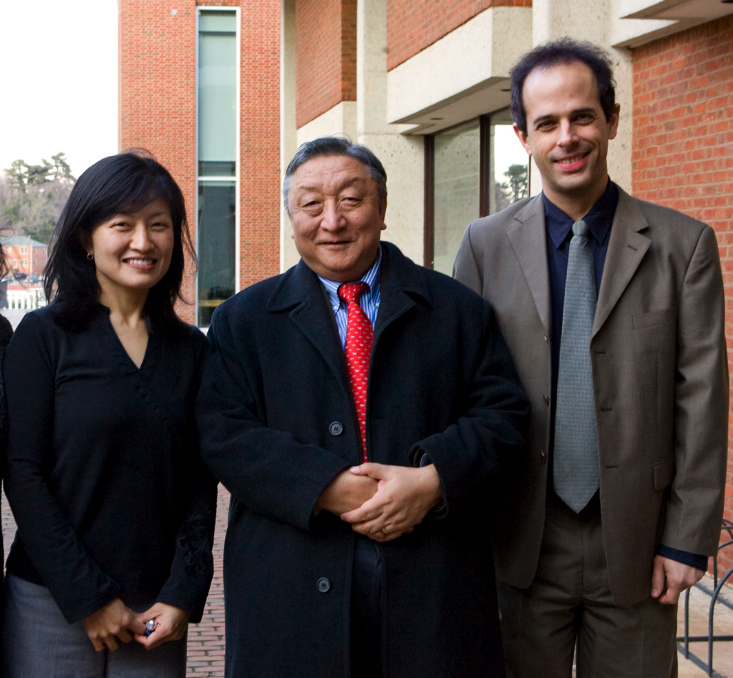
(683,642)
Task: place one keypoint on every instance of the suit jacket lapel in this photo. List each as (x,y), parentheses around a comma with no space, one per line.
(527,237)
(626,249)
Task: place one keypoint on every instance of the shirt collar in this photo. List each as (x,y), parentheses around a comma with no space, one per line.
(371,278)
(599,218)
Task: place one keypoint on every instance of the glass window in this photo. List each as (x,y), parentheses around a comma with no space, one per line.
(216,226)
(456,184)
(216,245)
(217,84)
(509,164)
(478,167)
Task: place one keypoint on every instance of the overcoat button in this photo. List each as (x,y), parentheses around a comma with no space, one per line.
(543,455)
(323,583)
(336,428)
(546,398)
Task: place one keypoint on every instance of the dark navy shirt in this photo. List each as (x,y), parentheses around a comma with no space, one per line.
(559,233)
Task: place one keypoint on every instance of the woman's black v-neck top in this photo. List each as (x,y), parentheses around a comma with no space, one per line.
(103,471)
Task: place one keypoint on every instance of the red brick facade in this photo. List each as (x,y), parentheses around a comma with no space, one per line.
(259,160)
(158,94)
(158,112)
(683,144)
(25,255)
(325,53)
(412,25)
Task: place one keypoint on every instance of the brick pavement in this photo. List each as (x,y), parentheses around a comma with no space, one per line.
(206,640)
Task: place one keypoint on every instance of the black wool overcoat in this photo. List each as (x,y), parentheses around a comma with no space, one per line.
(277,424)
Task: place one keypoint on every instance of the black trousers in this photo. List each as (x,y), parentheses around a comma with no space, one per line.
(366,610)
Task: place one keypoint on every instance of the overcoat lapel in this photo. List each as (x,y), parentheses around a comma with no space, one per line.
(301,292)
(398,282)
(527,237)
(626,249)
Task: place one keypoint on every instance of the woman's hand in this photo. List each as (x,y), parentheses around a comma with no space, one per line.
(113,623)
(170,624)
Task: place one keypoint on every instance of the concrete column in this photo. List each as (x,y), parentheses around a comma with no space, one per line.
(619,150)
(552,19)
(288,133)
(592,21)
(402,156)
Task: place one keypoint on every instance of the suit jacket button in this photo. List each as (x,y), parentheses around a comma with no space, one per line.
(543,455)
(336,428)
(546,398)
(323,584)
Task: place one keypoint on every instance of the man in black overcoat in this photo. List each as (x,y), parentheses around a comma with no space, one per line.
(358,543)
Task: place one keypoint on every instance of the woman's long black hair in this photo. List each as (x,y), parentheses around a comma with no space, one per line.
(119,184)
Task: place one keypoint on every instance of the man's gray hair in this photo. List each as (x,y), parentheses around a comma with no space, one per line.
(326,146)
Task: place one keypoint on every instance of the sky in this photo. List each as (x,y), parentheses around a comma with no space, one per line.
(58,80)
(509,151)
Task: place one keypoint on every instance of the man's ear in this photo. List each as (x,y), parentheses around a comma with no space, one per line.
(523,138)
(613,122)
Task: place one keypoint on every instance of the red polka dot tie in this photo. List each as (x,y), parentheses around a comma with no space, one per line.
(359,334)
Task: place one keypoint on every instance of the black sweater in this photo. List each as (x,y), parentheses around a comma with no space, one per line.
(6,332)
(103,471)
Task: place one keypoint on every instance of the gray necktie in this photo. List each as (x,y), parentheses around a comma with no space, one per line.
(576,442)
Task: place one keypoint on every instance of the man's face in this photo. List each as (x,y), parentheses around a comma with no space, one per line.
(337,217)
(567,132)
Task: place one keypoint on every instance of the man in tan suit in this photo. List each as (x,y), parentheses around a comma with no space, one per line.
(648,388)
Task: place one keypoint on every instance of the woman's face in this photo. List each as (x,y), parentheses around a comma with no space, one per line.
(132,252)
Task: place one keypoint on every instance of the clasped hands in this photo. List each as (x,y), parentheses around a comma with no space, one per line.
(116,623)
(380,501)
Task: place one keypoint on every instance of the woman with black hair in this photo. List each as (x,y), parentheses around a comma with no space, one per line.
(115,509)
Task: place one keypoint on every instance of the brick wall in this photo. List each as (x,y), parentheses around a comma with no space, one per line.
(158,112)
(35,257)
(412,25)
(157,97)
(259,160)
(683,145)
(325,56)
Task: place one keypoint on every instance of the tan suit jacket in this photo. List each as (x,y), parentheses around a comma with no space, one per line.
(660,377)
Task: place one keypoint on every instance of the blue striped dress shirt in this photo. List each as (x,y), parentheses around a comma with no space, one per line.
(369,301)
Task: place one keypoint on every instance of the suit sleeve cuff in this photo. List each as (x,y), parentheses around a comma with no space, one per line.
(693,559)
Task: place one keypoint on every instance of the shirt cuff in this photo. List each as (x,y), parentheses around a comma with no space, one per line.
(693,559)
